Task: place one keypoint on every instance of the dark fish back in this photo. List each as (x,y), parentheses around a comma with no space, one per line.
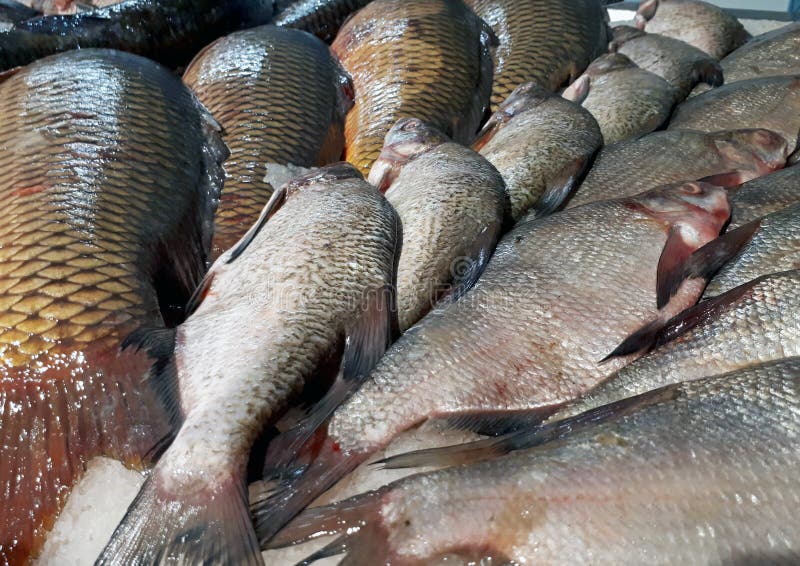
(322,18)
(279,96)
(107,177)
(549,42)
(169,32)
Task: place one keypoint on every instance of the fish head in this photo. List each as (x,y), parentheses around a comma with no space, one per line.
(608,63)
(622,35)
(646,11)
(698,210)
(407,139)
(522,99)
(751,152)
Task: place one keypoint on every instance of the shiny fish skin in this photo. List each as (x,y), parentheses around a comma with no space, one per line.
(109,171)
(281,100)
(771,102)
(425,59)
(549,42)
(775,247)
(668,157)
(269,318)
(319,17)
(770,54)
(677,62)
(627,101)
(759,323)
(451,203)
(764,195)
(527,337)
(539,142)
(169,31)
(706,474)
(701,24)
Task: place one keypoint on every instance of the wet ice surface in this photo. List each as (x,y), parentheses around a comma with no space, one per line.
(100,500)
(93,510)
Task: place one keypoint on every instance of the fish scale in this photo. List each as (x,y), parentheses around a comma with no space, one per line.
(320,17)
(414,59)
(96,215)
(277,94)
(545,41)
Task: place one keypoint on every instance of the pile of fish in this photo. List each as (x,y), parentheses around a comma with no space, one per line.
(432,281)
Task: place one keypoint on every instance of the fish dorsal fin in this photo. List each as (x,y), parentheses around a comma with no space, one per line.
(276,201)
(677,263)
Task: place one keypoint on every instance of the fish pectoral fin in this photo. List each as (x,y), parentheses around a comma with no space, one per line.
(708,71)
(534,435)
(578,90)
(658,333)
(677,265)
(496,423)
(726,179)
(198,527)
(465,276)
(201,292)
(560,187)
(273,205)
(365,342)
(5,75)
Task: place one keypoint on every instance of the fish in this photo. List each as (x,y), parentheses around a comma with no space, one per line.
(109,174)
(549,42)
(281,99)
(451,202)
(542,145)
(12,12)
(776,247)
(413,59)
(767,55)
(322,18)
(663,477)
(627,101)
(724,159)
(755,323)
(316,271)
(169,31)
(759,197)
(526,338)
(771,102)
(701,24)
(677,62)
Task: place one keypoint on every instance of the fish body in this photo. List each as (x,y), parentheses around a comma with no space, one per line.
(541,143)
(775,247)
(701,24)
(413,59)
(321,18)
(677,62)
(767,55)
(725,158)
(648,486)
(281,99)
(526,338)
(770,102)
(170,32)
(627,101)
(12,12)
(764,195)
(546,42)
(109,171)
(755,323)
(451,203)
(298,286)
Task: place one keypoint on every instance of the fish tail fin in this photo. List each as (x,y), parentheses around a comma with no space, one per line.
(178,520)
(51,426)
(294,491)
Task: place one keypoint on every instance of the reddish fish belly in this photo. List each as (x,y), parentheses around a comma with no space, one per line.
(60,409)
